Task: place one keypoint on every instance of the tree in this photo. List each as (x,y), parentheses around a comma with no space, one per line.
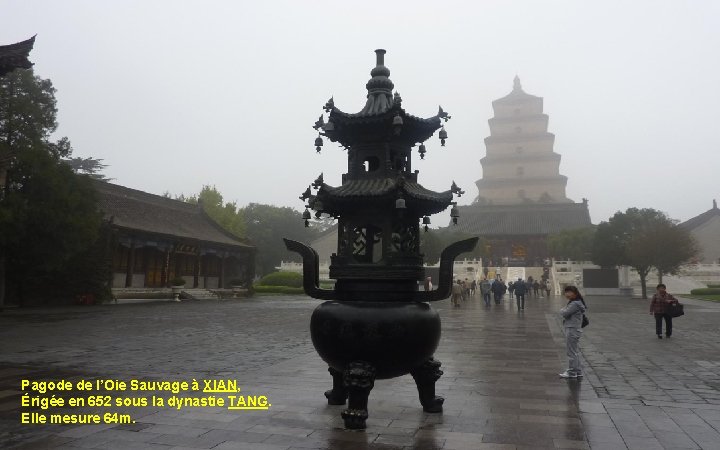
(48,216)
(678,247)
(28,113)
(643,239)
(87,166)
(47,213)
(574,244)
(432,244)
(226,214)
(266,225)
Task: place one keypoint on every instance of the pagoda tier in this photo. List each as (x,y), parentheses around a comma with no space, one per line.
(15,56)
(380,193)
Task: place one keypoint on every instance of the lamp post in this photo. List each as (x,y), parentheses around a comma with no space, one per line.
(376,324)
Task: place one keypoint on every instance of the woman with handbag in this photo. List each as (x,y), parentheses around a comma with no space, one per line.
(659,308)
(572,315)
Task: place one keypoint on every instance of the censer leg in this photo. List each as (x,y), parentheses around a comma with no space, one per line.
(338,394)
(425,377)
(359,378)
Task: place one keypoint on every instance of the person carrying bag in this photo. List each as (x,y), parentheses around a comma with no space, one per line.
(664,306)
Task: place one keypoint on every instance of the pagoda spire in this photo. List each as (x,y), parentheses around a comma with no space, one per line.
(379,97)
(517,87)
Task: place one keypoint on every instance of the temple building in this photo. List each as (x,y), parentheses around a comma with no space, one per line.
(156,239)
(521,196)
(705,228)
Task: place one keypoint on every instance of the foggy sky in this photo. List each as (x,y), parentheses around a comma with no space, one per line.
(177,94)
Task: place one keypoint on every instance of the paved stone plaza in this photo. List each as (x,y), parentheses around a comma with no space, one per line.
(500,383)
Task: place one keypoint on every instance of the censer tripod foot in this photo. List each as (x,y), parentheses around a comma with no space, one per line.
(359,379)
(338,394)
(425,377)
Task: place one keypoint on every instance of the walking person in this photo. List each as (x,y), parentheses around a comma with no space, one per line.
(536,288)
(529,284)
(485,291)
(658,308)
(572,315)
(428,284)
(473,286)
(547,288)
(457,291)
(498,289)
(511,289)
(520,289)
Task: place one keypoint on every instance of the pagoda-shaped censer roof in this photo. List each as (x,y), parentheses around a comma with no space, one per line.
(381,189)
(381,106)
(15,56)
(379,139)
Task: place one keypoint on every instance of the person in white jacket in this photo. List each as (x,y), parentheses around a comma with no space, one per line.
(572,315)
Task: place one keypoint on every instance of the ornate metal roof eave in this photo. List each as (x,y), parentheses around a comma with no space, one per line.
(343,206)
(329,200)
(350,129)
(15,56)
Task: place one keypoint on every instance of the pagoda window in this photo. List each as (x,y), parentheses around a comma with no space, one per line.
(518,130)
(518,149)
(371,163)
(517,111)
(520,171)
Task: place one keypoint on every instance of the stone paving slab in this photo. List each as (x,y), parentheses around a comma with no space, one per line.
(500,377)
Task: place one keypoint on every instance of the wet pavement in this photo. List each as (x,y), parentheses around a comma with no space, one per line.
(500,378)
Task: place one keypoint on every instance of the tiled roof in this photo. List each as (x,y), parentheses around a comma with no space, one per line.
(141,211)
(698,221)
(530,219)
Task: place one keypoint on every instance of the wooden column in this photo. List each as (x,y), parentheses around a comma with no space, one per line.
(205,277)
(196,278)
(165,276)
(130,266)
(221,280)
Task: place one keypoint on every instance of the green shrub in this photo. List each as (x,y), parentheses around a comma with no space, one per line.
(714,285)
(289,279)
(705,291)
(177,281)
(279,290)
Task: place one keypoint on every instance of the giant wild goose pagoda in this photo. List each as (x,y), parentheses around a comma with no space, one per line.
(521,195)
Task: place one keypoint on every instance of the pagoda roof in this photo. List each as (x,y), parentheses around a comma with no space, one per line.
(15,56)
(136,210)
(381,107)
(415,195)
(517,94)
(522,220)
(702,219)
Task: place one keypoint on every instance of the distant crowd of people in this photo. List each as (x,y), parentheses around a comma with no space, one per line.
(495,288)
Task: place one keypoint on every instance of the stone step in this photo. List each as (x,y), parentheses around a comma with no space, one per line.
(198,294)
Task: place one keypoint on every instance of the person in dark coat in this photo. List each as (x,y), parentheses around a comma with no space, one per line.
(498,289)
(658,308)
(520,290)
